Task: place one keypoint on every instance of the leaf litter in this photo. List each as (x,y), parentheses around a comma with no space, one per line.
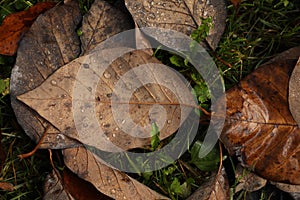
(121,184)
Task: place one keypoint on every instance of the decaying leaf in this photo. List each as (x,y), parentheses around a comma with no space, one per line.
(50,43)
(293,190)
(248,181)
(15,25)
(54,100)
(69,186)
(287,187)
(259,126)
(236,3)
(183,16)
(110,182)
(294,94)
(215,188)
(102,22)
(6,186)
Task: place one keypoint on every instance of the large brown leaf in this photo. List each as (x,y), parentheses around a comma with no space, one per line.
(183,16)
(54,100)
(111,182)
(259,126)
(50,43)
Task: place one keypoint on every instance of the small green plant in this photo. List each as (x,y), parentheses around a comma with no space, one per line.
(208,163)
(203,30)
(4,86)
(155,141)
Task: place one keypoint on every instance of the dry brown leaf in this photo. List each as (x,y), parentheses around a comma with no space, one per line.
(287,187)
(101,22)
(294,94)
(15,25)
(69,186)
(6,186)
(50,43)
(53,100)
(183,16)
(248,181)
(215,188)
(259,126)
(111,182)
(236,3)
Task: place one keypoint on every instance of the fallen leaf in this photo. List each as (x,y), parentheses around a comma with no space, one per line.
(236,3)
(287,187)
(101,22)
(68,185)
(50,43)
(54,100)
(110,182)
(215,188)
(15,25)
(248,181)
(183,16)
(54,188)
(294,94)
(259,127)
(6,186)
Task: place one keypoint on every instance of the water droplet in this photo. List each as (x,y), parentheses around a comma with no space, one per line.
(148,84)
(100,117)
(117,129)
(114,135)
(107,75)
(85,125)
(53,82)
(123,121)
(129,86)
(169,121)
(82,110)
(113,191)
(120,66)
(151,16)
(86,66)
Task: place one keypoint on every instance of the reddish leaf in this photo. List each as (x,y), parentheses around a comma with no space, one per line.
(15,25)
(6,186)
(259,126)
(236,3)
